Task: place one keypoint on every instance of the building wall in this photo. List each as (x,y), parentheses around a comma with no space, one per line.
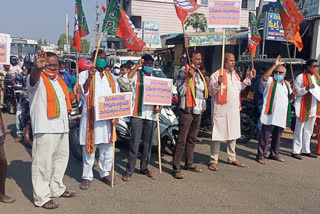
(163,11)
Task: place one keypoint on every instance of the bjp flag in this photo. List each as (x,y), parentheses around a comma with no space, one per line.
(291,18)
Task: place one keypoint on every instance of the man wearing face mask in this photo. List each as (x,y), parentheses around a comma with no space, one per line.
(276,111)
(143,120)
(307,110)
(63,73)
(49,106)
(96,82)
(224,89)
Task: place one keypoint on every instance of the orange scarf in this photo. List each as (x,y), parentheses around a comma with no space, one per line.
(222,98)
(306,100)
(53,105)
(91,111)
(191,90)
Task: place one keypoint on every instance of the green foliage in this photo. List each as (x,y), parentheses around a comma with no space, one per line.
(45,42)
(198,21)
(63,40)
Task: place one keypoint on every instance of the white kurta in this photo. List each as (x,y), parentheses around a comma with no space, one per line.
(226,117)
(280,105)
(302,91)
(102,128)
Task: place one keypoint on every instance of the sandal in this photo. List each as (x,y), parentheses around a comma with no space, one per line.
(213,166)
(50,205)
(85,184)
(193,168)
(108,180)
(68,194)
(7,199)
(18,139)
(177,175)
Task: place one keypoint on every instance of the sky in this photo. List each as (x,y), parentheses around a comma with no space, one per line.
(35,19)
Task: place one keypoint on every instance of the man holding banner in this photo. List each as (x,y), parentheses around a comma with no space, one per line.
(143,121)
(192,92)
(225,88)
(96,82)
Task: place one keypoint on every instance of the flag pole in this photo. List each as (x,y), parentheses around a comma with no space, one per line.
(184,36)
(77,70)
(98,47)
(114,139)
(222,60)
(290,60)
(159,142)
(252,62)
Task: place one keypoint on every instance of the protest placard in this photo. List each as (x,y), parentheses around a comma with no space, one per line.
(157,91)
(224,13)
(114,106)
(5,48)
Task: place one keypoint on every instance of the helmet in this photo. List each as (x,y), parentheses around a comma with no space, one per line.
(14,60)
(84,64)
(30,60)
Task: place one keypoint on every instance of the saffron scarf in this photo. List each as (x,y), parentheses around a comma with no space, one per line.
(306,100)
(270,100)
(91,111)
(191,90)
(137,111)
(53,105)
(222,98)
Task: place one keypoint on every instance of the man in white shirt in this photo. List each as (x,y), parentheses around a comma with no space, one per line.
(96,133)
(142,122)
(276,111)
(49,106)
(307,110)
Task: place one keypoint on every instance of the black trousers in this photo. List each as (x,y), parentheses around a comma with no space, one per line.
(141,129)
(266,132)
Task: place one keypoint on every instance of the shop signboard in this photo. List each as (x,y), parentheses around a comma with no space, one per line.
(207,40)
(311,8)
(274,29)
(150,32)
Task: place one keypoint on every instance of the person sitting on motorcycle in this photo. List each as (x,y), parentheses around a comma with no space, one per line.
(63,73)
(14,68)
(3,73)
(143,121)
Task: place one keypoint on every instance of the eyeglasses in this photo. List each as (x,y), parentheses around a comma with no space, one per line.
(314,66)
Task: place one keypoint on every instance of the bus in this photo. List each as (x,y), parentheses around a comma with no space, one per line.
(21,47)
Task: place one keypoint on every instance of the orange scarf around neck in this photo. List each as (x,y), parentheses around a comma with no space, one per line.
(53,105)
(222,98)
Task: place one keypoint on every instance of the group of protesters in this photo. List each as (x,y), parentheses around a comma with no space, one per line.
(51,98)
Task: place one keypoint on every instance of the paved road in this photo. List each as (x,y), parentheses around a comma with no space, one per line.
(290,187)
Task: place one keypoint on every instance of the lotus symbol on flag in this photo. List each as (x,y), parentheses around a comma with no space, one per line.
(185,4)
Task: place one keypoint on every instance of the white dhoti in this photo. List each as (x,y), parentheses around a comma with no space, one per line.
(50,155)
(105,161)
(302,136)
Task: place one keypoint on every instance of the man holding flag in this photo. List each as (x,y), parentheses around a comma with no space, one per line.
(96,82)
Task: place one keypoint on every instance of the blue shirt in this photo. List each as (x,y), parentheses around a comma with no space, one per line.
(258,90)
(66,78)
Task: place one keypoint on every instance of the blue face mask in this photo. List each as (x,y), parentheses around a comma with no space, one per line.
(278,77)
(63,71)
(148,69)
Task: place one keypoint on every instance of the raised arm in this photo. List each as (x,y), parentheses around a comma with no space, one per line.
(133,71)
(269,72)
(40,64)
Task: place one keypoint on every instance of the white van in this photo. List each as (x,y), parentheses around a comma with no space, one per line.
(112,60)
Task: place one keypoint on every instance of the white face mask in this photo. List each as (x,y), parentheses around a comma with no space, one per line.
(116,71)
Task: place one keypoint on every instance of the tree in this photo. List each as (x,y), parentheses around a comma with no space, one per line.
(39,44)
(85,45)
(45,42)
(63,40)
(196,21)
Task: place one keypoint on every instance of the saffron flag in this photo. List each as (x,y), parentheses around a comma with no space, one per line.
(103,8)
(117,22)
(80,26)
(254,36)
(291,18)
(184,7)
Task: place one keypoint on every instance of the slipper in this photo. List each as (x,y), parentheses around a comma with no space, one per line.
(68,194)
(7,199)
(213,167)
(193,168)
(18,139)
(108,180)
(50,205)
(177,175)
(85,184)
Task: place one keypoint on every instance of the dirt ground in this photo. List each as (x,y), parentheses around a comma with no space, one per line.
(290,187)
